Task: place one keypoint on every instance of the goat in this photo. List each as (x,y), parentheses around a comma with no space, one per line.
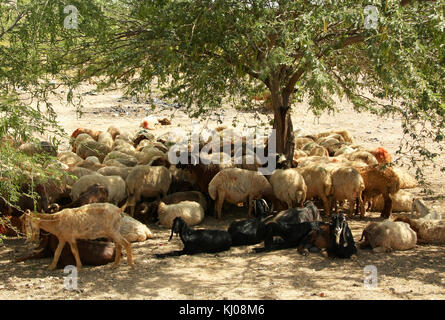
(198,241)
(94,194)
(91,221)
(244,232)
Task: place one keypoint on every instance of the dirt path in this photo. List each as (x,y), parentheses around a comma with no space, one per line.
(239,273)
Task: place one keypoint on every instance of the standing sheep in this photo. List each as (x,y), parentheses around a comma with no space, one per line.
(114,184)
(146,181)
(347,183)
(236,185)
(289,187)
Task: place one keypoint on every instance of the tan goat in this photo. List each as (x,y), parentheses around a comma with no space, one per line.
(90,221)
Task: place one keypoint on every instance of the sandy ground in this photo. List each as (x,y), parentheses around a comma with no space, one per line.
(239,273)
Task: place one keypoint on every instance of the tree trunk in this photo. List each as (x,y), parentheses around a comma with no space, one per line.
(284,133)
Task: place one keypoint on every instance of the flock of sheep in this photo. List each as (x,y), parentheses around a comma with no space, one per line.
(111,172)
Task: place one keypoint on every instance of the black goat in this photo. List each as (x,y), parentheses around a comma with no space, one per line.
(336,238)
(198,241)
(244,232)
(298,215)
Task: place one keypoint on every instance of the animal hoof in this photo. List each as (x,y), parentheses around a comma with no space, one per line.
(51,267)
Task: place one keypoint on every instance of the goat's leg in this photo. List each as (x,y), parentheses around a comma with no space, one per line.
(57,253)
(249,213)
(75,251)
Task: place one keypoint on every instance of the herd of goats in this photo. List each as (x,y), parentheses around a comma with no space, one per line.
(116,183)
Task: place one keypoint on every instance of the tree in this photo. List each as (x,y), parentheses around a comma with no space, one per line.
(385,56)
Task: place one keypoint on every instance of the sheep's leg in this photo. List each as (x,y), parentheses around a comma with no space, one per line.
(326,205)
(120,242)
(351,203)
(57,253)
(387,206)
(219,202)
(360,205)
(75,251)
(117,258)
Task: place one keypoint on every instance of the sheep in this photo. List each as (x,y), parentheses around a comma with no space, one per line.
(198,241)
(125,159)
(90,164)
(319,151)
(92,133)
(388,235)
(79,139)
(244,232)
(182,180)
(191,211)
(381,155)
(114,184)
(289,186)
(345,134)
(427,231)
(319,184)
(406,180)
(92,148)
(74,173)
(69,158)
(41,147)
(186,196)
(336,238)
(360,155)
(300,142)
(95,193)
(91,221)
(236,185)
(379,179)
(115,171)
(347,183)
(148,154)
(91,252)
(133,230)
(114,132)
(106,138)
(146,181)
(419,206)
(401,202)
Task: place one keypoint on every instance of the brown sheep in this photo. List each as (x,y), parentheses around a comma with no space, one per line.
(379,179)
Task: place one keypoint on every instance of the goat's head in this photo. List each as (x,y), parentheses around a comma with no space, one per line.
(261,208)
(177,226)
(339,225)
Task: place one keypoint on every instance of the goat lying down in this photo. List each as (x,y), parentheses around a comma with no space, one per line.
(198,241)
(244,232)
(91,221)
(336,237)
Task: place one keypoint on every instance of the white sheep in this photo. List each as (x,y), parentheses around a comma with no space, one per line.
(123,158)
(289,187)
(133,230)
(114,184)
(401,202)
(69,158)
(236,185)
(389,235)
(192,212)
(106,138)
(427,230)
(419,207)
(90,221)
(115,171)
(319,184)
(347,184)
(147,181)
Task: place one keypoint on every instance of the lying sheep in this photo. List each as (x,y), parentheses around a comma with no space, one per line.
(146,181)
(401,202)
(236,185)
(347,184)
(114,184)
(75,173)
(105,138)
(89,164)
(69,158)
(133,230)
(419,207)
(319,184)
(125,159)
(77,140)
(186,196)
(388,235)
(427,231)
(92,148)
(198,241)
(91,221)
(192,213)
(289,186)
(115,171)
(95,193)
